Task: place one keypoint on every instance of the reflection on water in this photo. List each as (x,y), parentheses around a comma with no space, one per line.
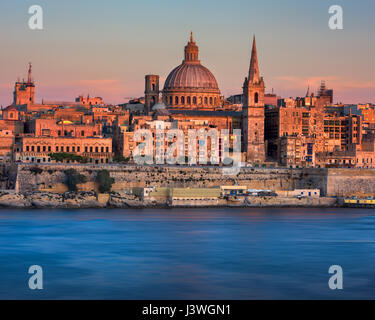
(187,253)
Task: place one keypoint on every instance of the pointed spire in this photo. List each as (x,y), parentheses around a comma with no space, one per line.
(308,91)
(191,36)
(254,67)
(29,78)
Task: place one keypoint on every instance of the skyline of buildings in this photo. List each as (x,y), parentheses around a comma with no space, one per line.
(308,131)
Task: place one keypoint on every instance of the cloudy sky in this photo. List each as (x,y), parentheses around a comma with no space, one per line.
(105,48)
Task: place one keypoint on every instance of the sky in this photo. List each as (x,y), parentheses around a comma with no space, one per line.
(105,48)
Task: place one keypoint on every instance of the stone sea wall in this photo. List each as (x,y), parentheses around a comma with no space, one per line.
(24,186)
(51,179)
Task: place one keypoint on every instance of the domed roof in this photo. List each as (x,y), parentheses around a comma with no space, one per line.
(159,106)
(191,76)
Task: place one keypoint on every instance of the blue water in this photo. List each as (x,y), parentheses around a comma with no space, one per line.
(187,253)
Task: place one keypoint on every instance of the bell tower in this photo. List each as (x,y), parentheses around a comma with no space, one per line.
(151,91)
(24,91)
(253,112)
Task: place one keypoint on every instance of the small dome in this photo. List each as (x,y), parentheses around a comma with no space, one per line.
(159,106)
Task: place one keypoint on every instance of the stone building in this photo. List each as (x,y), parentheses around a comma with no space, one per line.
(253,112)
(24,91)
(38,149)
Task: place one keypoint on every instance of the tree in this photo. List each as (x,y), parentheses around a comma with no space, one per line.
(62,156)
(120,159)
(104,181)
(72,178)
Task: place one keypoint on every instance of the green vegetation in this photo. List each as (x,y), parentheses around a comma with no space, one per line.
(64,156)
(120,159)
(104,181)
(72,178)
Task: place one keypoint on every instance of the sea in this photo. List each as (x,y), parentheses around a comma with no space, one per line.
(217,253)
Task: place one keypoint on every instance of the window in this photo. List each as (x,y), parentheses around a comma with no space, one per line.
(27,148)
(82,133)
(176,100)
(256,97)
(57,148)
(188,100)
(38,149)
(194,100)
(96,149)
(78,149)
(106,149)
(182,100)
(205,100)
(210,100)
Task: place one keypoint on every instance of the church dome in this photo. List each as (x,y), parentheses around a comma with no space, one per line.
(191,85)
(191,77)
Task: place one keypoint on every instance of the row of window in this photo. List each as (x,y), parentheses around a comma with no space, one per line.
(182,100)
(66,149)
(344,161)
(96,161)
(71,133)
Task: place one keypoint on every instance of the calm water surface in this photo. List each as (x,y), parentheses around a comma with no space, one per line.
(187,253)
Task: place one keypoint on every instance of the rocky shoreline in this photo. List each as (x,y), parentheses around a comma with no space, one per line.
(84,200)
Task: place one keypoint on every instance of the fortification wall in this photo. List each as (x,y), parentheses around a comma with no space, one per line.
(127,176)
(331,182)
(351,182)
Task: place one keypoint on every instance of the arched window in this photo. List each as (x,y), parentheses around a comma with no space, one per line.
(170,100)
(176,100)
(210,100)
(188,100)
(205,100)
(256,97)
(194,100)
(215,101)
(182,100)
(153,87)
